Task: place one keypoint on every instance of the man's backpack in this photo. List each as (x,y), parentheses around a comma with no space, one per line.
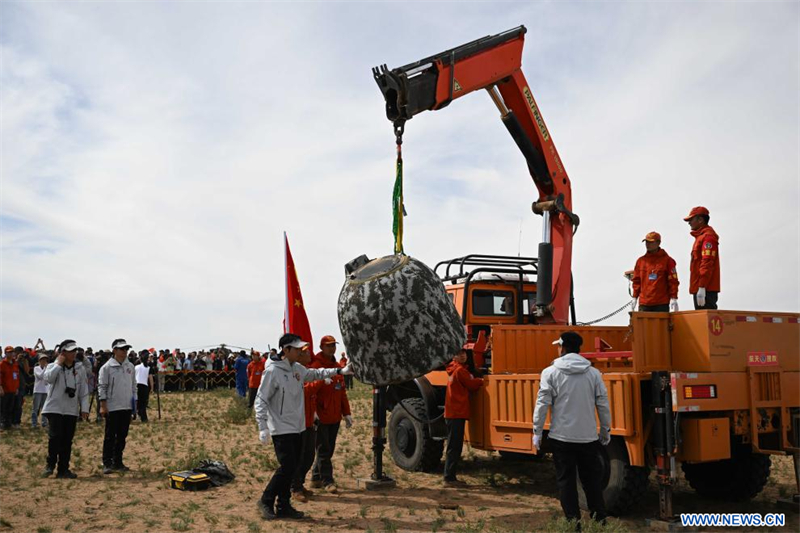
(217,471)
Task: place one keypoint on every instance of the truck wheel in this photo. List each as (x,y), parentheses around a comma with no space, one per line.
(410,442)
(738,478)
(624,484)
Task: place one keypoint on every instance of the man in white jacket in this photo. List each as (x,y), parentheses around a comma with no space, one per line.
(573,389)
(67,398)
(116,385)
(40,390)
(280,412)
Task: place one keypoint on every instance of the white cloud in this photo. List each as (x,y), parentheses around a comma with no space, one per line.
(152,155)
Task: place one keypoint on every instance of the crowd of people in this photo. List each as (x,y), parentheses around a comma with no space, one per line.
(64,383)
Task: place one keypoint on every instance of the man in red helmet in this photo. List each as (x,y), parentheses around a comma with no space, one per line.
(655,279)
(704,282)
(332,407)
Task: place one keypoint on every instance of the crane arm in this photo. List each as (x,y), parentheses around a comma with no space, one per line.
(494,63)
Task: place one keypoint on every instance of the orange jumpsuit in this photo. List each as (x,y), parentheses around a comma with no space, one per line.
(705,261)
(655,278)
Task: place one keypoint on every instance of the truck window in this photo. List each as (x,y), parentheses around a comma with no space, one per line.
(492,303)
(529,303)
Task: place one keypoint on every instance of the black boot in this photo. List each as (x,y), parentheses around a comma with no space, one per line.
(267,509)
(285,510)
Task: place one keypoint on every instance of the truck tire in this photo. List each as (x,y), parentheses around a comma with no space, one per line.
(624,484)
(739,478)
(410,442)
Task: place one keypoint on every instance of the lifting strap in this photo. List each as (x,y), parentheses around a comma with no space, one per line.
(398,208)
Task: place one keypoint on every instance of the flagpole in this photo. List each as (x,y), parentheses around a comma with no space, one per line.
(285,282)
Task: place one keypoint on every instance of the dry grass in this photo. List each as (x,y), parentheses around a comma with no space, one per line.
(500,496)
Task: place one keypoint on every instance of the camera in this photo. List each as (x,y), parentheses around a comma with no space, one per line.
(70,391)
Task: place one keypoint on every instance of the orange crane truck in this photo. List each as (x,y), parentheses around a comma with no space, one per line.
(717,391)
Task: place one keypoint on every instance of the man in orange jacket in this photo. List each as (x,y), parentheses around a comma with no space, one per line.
(704,282)
(10,380)
(332,406)
(655,278)
(255,369)
(456,411)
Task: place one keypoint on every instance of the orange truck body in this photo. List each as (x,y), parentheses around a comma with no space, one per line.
(751,359)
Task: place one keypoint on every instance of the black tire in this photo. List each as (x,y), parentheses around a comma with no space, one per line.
(739,478)
(410,441)
(625,485)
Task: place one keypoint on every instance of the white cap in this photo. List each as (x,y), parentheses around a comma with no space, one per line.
(68,346)
(299,343)
(120,344)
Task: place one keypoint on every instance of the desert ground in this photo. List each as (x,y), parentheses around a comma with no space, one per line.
(500,496)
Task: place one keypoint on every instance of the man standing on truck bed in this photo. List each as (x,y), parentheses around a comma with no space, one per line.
(704,283)
(573,389)
(655,279)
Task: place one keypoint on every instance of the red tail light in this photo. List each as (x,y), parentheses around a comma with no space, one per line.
(694,392)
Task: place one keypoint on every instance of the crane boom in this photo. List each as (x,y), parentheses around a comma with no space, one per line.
(494,63)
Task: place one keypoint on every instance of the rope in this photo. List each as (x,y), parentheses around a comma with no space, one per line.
(605,317)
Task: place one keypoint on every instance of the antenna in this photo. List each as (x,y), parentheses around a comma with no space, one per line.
(519,243)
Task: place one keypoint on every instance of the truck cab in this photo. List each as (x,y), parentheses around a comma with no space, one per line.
(489,290)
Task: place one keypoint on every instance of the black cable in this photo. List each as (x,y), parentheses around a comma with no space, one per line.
(607,316)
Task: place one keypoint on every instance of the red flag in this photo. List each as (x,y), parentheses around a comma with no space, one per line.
(295,319)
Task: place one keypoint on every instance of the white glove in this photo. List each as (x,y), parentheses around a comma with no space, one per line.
(348,421)
(263,436)
(347,370)
(537,441)
(673,305)
(328,381)
(635,305)
(605,438)
(701,296)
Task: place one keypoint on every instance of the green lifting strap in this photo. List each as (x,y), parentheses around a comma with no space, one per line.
(397,203)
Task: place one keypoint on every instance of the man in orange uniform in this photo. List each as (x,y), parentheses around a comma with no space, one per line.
(655,279)
(332,406)
(309,435)
(704,283)
(456,411)
(255,369)
(10,380)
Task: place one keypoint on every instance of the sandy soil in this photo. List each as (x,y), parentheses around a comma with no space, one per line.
(500,495)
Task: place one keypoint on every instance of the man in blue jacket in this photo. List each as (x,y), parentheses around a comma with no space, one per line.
(240,365)
(573,390)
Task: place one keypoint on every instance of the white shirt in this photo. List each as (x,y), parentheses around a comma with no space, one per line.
(142,372)
(40,385)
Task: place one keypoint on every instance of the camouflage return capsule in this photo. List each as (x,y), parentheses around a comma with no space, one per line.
(397,321)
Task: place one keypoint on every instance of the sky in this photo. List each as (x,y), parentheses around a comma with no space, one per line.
(153,153)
